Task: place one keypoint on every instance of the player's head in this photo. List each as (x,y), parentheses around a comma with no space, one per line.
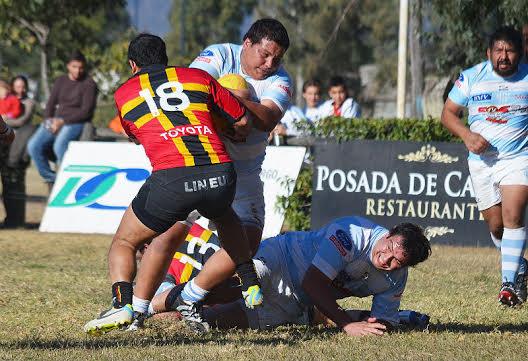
(504,50)
(312,92)
(405,245)
(263,48)
(146,49)
(76,65)
(337,90)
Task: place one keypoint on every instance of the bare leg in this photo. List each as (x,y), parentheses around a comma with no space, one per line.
(130,235)
(514,200)
(157,260)
(493,217)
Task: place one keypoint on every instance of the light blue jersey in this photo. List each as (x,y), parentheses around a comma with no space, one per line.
(221,59)
(498,109)
(342,251)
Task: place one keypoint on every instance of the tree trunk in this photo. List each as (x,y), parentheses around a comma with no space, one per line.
(44,71)
(417,62)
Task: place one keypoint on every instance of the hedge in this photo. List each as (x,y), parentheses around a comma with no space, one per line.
(298,205)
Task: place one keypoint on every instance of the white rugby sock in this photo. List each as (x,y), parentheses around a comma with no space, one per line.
(140,305)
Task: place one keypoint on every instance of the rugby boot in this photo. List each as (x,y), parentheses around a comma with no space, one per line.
(508,295)
(112,319)
(192,314)
(138,321)
(520,281)
(251,292)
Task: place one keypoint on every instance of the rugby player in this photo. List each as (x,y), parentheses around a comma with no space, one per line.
(495,93)
(167,110)
(301,272)
(258,61)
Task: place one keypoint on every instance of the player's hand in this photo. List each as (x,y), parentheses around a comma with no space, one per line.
(476,143)
(365,328)
(242,128)
(241,93)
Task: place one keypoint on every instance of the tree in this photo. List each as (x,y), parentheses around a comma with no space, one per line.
(197,24)
(458,32)
(56,27)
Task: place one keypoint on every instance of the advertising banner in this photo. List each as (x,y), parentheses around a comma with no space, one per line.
(393,182)
(98,180)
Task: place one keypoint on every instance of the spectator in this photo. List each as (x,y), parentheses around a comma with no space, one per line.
(70,106)
(294,115)
(339,105)
(10,106)
(15,161)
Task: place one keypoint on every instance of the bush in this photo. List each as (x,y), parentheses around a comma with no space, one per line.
(298,205)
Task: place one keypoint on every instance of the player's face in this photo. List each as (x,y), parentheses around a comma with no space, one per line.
(19,87)
(260,60)
(312,95)
(75,69)
(338,95)
(504,58)
(388,253)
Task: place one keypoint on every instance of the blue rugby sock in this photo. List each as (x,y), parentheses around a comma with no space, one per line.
(193,293)
(512,249)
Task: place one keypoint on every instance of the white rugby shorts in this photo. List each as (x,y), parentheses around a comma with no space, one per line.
(249,200)
(487,177)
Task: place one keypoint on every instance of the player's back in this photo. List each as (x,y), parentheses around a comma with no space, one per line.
(168,110)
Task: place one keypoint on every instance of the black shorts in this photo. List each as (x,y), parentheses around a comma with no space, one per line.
(169,195)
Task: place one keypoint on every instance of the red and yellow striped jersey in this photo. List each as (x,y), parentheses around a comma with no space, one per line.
(167,109)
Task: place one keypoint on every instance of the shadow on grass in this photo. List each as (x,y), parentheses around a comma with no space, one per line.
(476,328)
(286,336)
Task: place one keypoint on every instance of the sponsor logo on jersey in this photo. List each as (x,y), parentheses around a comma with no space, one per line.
(497,120)
(338,245)
(521,96)
(206,53)
(185,130)
(516,108)
(461,77)
(204,59)
(344,239)
(286,89)
(481,97)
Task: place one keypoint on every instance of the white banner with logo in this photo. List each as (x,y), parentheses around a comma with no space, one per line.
(98,180)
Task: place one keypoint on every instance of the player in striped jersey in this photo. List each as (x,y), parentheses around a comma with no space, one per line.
(495,93)
(167,110)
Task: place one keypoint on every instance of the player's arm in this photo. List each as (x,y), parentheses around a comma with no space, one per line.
(474,142)
(319,288)
(266,114)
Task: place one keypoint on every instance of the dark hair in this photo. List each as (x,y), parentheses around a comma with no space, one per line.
(311,82)
(509,35)
(147,49)
(415,244)
(20,77)
(270,29)
(337,81)
(76,55)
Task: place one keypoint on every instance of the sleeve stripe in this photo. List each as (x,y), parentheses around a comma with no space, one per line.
(324,267)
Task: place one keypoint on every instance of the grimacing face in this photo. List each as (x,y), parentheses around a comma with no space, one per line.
(388,253)
(504,58)
(260,60)
(312,95)
(75,69)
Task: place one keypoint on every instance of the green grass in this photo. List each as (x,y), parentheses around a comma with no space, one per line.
(51,284)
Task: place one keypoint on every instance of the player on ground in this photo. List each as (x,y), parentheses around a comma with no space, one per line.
(258,60)
(495,93)
(302,272)
(167,110)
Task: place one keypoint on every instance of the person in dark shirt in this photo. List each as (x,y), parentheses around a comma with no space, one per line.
(70,105)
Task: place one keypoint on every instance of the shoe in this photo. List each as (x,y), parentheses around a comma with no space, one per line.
(520,281)
(109,320)
(138,321)
(191,313)
(508,296)
(253,296)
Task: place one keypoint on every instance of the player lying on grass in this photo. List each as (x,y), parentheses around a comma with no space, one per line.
(304,271)
(168,110)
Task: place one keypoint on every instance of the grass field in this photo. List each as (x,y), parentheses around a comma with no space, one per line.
(51,284)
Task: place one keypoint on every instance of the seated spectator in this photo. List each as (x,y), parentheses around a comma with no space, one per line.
(289,124)
(70,106)
(339,105)
(13,166)
(10,106)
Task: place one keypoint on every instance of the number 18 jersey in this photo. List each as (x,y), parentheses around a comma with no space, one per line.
(167,109)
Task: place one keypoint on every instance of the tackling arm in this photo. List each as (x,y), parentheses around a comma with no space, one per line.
(266,114)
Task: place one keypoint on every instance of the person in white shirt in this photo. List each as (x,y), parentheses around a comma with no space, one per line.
(340,104)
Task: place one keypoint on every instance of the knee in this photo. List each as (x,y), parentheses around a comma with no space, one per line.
(512,218)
